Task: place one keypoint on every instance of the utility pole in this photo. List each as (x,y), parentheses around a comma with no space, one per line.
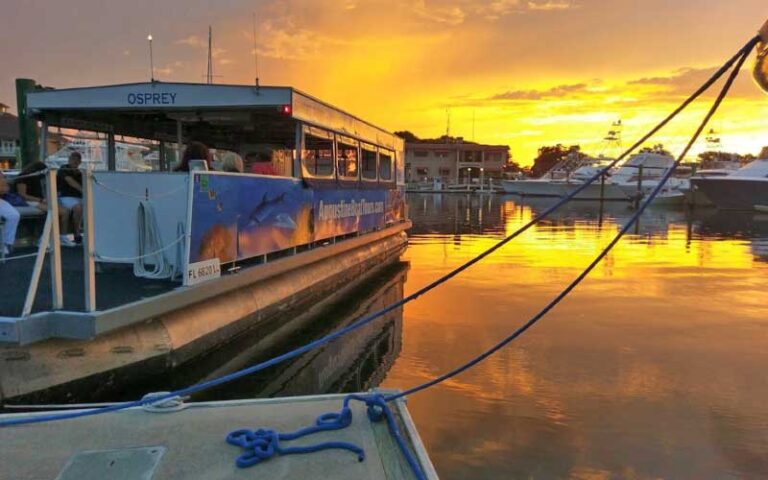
(209,74)
(151,60)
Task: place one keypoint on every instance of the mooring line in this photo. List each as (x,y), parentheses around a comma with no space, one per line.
(564,293)
(740,56)
(378,407)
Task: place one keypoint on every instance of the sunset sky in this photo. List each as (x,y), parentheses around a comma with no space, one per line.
(531,73)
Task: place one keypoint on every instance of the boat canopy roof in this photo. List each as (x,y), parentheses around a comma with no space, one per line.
(754,169)
(223,114)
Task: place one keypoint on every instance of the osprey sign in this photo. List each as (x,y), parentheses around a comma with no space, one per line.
(165,98)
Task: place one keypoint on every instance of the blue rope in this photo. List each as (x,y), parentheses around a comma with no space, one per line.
(598,259)
(263,444)
(377,403)
(743,52)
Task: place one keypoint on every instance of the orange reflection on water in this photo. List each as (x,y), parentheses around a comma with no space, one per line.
(622,376)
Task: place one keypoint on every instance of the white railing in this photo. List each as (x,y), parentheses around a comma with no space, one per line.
(9,152)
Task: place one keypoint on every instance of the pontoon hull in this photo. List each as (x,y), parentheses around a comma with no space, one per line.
(42,371)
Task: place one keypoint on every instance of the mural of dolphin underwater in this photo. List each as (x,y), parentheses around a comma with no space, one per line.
(266,210)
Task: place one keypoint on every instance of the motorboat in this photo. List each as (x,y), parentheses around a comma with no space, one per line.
(719,166)
(634,179)
(554,183)
(744,189)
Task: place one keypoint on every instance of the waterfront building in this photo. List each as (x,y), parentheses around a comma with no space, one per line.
(454,162)
(9,138)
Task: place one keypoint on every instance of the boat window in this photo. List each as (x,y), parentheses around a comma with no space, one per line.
(317,156)
(385,165)
(346,158)
(368,163)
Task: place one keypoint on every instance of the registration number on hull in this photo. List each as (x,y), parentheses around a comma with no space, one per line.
(200,272)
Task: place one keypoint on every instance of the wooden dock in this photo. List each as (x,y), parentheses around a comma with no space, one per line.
(190,443)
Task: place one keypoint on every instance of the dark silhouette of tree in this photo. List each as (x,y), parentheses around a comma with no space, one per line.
(410,137)
(658,148)
(512,166)
(407,136)
(712,159)
(551,155)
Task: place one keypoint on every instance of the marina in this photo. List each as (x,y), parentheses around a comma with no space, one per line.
(550,396)
(228,279)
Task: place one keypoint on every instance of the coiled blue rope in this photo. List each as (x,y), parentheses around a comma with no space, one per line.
(262,444)
(742,54)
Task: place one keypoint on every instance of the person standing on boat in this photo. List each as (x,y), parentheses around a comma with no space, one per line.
(761,65)
(10,216)
(69,181)
(194,151)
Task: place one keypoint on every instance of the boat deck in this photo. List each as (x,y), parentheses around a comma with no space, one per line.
(191,443)
(115,284)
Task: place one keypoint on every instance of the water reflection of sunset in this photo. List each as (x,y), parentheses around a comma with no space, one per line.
(629,377)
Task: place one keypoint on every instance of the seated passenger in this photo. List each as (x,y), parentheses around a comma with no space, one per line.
(194,151)
(30,186)
(233,164)
(9,215)
(69,181)
(262,164)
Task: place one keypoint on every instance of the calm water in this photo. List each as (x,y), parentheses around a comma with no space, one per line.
(655,367)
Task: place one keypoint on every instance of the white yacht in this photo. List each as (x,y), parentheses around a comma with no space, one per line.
(638,176)
(556,182)
(744,189)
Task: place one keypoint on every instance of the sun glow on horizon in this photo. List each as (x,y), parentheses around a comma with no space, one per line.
(523,74)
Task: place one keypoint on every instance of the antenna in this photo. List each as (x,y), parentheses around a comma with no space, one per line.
(209,74)
(151,60)
(255,53)
(447,122)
